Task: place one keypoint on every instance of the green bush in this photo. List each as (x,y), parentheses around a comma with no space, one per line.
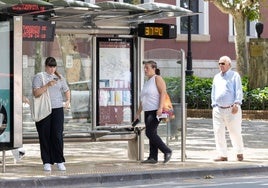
(198,93)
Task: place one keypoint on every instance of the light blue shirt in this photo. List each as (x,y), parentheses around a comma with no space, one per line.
(56,91)
(226,89)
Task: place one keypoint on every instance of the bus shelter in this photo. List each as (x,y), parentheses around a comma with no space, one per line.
(99,49)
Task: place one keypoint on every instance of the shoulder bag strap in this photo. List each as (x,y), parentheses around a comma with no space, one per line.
(42,74)
(43,78)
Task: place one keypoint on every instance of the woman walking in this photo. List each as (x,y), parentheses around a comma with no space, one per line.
(152,102)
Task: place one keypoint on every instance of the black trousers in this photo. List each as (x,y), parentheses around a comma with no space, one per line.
(155,142)
(50,132)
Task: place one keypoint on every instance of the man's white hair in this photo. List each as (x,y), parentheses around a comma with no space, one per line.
(225,59)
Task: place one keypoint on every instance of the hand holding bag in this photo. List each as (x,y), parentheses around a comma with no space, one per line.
(41,106)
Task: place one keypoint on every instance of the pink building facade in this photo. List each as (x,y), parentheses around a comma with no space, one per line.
(215,37)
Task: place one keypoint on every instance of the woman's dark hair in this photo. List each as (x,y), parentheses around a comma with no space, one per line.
(51,61)
(153,65)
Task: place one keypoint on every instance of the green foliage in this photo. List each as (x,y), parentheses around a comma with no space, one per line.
(198,93)
(253,12)
(256,99)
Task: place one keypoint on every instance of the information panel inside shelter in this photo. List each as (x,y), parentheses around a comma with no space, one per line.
(114,91)
(5,78)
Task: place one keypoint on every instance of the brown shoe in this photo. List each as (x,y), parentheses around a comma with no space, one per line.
(221,159)
(240,157)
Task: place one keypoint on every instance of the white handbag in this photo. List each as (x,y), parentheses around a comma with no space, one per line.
(41,106)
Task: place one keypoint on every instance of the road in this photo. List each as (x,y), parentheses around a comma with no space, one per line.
(253,181)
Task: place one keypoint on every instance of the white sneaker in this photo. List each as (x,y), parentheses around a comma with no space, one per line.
(47,167)
(61,166)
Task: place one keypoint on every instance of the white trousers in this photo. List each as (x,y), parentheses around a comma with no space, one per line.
(222,119)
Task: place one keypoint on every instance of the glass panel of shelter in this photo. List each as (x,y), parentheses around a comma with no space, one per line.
(169,63)
(73,55)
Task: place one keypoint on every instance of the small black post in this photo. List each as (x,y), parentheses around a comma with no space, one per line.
(189,71)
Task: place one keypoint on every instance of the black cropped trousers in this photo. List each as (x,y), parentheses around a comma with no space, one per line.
(155,142)
(50,132)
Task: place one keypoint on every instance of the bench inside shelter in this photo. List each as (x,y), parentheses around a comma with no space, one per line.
(134,137)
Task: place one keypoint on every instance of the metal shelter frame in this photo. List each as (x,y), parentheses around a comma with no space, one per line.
(113,18)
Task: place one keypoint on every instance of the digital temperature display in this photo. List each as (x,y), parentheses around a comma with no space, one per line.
(153,31)
(157,30)
(38,30)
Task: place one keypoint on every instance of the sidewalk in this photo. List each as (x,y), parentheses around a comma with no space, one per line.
(98,162)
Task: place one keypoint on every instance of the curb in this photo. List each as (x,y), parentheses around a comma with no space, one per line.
(76,180)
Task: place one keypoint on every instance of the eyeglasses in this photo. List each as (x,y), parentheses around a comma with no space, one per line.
(221,63)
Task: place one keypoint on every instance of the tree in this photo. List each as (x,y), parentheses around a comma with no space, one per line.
(241,11)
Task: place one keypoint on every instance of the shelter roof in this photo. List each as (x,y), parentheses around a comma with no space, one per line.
(71,14)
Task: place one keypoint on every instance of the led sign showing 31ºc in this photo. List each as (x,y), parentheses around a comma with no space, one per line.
(157,30)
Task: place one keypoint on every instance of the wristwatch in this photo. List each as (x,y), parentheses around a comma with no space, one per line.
(236,104)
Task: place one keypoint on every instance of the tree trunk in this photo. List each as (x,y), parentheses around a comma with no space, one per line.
(239,17)
(38,57)
(71,57)
(258,63)
(241,43)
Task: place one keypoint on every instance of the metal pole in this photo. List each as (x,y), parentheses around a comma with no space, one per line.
(168,132)
(183,108)
(189,71)
(3,161)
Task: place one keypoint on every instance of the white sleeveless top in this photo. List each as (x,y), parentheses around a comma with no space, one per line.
(150,95)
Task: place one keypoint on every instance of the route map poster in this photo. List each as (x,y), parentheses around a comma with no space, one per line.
(114,70)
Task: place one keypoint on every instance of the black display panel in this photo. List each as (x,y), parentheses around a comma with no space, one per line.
(24,8)
(157,30)
(38,30)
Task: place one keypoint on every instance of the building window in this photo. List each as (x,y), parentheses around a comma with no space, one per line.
(192,5)
(134,2)
(250,29)
(200,23)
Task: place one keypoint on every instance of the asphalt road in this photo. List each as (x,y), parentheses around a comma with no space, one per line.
(244,181)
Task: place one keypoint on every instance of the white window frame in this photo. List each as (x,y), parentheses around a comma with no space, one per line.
(90,1)
(252,31)
(203,24)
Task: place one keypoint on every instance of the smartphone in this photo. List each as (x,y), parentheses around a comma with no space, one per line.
(56,79)
(135,122)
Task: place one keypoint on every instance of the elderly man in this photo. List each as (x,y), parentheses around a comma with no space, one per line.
(226,99)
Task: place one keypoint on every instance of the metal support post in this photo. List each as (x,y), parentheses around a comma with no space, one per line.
(168,132)
(183,108)
(3,161)
(140,144)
